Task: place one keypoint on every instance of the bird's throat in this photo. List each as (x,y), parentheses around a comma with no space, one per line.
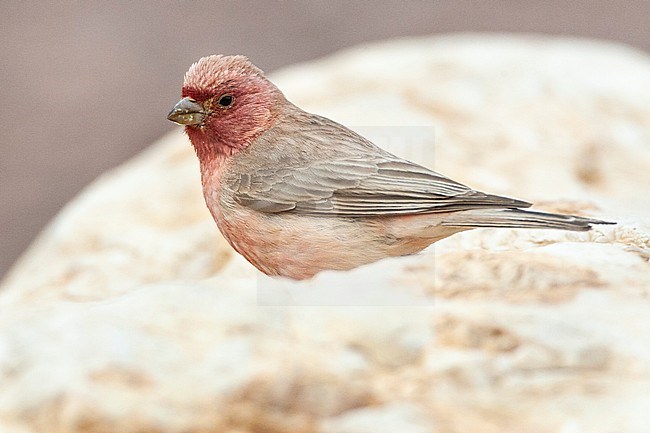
(209,147)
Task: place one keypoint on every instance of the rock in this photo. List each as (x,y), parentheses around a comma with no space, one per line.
(130,313)
(403,418)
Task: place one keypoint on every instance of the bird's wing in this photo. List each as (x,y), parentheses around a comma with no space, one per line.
(359,186)
(326,169)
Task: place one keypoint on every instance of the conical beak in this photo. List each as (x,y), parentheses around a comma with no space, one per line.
(187,112)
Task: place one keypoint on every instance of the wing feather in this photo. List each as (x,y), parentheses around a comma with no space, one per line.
(354,188)
(343,174)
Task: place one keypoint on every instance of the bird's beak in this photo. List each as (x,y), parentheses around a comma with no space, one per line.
(187,112)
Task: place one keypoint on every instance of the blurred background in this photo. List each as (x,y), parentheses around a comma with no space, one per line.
(87,85)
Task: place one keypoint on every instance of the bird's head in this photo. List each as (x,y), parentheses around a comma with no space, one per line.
(227,102)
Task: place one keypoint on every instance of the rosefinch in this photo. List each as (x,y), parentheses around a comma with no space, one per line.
(296,193)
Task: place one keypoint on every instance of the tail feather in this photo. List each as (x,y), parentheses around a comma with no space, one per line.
(518,218)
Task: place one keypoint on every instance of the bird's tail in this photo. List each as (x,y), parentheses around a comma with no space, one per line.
(518,218)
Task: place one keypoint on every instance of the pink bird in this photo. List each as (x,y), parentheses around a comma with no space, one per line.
(296,193)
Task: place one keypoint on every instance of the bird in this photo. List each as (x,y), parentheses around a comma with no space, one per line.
(296,193)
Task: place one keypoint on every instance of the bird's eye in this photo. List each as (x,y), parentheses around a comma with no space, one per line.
(226,100)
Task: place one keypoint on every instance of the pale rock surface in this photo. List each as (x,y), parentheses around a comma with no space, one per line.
(131,314)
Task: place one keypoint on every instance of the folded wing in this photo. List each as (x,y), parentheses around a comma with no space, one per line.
(355,186)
